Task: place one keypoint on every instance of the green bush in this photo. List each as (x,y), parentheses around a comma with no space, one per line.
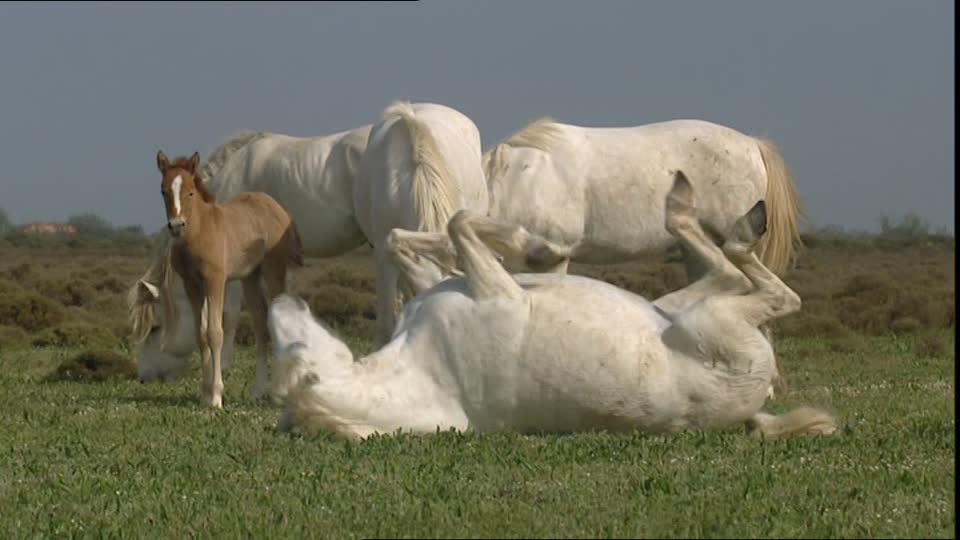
(94,366)
(30,311)
(11,337)
(338,305)
(69,292)
(76,334)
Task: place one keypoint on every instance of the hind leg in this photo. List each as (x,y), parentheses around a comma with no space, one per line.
(231,318)
(485,276)
(257,306)
(520,249)
(719,275)
(422,258)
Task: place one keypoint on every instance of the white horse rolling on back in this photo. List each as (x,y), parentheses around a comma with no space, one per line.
(313,177)
(422,165)
(552,352)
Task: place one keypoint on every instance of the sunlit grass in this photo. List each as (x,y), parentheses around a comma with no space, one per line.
(120,458)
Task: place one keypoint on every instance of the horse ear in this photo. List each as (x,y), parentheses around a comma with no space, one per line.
(162,162)
(193,163)
(149,288)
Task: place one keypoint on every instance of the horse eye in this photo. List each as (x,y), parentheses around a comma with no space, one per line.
(191,194)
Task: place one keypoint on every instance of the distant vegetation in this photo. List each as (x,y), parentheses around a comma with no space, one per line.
(93,233)
(909,230)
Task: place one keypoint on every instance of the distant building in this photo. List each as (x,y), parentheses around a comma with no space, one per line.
(48,227)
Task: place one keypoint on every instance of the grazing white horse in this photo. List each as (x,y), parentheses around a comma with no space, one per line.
(552,352)
(598,193)
(312,177)
(422,165)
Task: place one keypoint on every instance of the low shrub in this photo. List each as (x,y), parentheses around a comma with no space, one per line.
(76,334)
(30,311)
(94,366)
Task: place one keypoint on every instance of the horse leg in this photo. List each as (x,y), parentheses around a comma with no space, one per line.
(387,297)
(231,318)
(272,284)
(485,276)
(195,294)
(422,258)
(214,288)
(771,298)
(719,274)
(520,248)
(257,306)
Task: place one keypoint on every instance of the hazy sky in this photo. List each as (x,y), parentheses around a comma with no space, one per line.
(858,94)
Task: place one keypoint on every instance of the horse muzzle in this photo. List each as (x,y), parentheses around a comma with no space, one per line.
(176,226)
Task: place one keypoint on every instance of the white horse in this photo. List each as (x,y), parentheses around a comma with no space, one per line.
(599,193)
(313,177)
(552,352)
(422,165)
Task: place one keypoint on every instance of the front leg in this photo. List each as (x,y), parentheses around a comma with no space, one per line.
(485,276)
(213,381)
(422,258)
(195,294)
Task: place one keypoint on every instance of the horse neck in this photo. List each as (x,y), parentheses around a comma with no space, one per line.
(202,222)
(383,392)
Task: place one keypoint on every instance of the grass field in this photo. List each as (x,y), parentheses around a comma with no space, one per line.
(117,458)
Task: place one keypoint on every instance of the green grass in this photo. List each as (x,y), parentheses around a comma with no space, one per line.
(118,458)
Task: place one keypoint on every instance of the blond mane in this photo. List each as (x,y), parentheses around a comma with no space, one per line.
(543,134)
(435,194)
(140,305)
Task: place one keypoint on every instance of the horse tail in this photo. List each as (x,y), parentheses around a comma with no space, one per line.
(436,195)
(779,248)
(155,282)
(796,422)
(219,156)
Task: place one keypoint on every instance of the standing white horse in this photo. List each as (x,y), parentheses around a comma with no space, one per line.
(599,192)
(553,352)
(313,177)
(422,165)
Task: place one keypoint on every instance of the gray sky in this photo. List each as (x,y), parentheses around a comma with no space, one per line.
(858,94)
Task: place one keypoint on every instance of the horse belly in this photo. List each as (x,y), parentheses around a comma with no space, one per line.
(589,359)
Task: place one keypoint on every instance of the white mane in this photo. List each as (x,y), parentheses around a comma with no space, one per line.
(542,134)
(214,162)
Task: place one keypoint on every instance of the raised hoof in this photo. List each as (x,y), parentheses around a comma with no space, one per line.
(750,227)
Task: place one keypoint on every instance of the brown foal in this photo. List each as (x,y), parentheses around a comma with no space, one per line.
(251,237)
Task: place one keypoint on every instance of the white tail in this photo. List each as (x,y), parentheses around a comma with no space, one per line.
(796,422)
(778,249)
(435,194)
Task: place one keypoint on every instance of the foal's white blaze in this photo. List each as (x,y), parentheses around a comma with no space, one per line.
(177,182)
